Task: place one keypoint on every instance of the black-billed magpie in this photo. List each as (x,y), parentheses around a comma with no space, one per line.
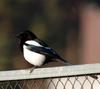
(37,52)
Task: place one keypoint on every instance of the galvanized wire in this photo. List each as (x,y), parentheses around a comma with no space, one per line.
(79,82)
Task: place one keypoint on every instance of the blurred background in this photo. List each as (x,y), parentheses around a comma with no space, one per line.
(71,27)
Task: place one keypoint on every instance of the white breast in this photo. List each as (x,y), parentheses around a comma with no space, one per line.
(33,58)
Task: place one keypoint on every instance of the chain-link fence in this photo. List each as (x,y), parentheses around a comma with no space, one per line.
(46,78)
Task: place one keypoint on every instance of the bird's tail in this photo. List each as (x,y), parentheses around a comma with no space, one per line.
(64,61)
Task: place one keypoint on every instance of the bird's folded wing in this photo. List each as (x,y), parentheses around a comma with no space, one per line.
(46,51)
(42,50)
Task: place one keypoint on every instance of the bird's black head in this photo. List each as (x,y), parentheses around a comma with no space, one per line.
(26,35)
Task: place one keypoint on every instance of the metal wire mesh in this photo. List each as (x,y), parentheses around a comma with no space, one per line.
(79,82)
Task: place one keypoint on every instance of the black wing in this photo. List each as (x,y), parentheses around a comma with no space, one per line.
(45,51)
(42,50)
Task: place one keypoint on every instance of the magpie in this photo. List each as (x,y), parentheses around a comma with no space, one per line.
(37,52)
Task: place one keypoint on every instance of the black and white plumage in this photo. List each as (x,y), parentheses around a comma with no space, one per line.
(36,52)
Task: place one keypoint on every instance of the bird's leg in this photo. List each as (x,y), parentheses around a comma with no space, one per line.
(31,69)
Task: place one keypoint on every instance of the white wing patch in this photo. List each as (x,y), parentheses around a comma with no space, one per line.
(32,42)
(34,58)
